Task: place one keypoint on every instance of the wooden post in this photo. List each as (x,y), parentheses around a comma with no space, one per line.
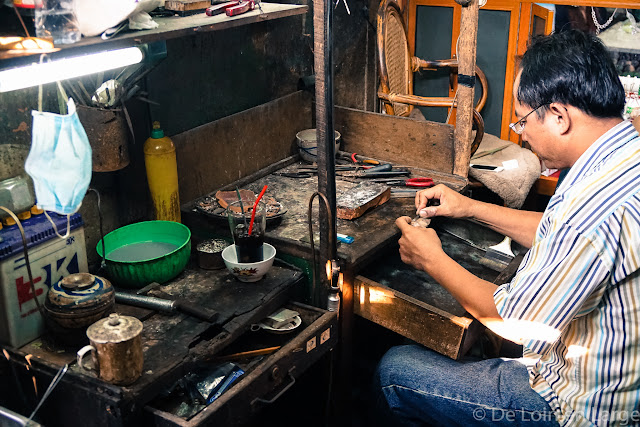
(467,45)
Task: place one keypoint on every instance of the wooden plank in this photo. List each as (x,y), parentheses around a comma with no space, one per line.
(467,44)
(510,72)
(398,140)
(174,27)
(229,144)
(187,5)
(411,318)
(630,4)
(354,202)
(546,185)
(391,293)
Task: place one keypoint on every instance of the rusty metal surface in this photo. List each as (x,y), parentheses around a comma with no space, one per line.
(108,135)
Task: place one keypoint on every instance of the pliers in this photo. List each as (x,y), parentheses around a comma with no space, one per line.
(299,174)
(366,161)
(412,182)
(231,8)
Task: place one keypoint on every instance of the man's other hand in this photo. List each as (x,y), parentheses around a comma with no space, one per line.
(419,247)
(451,203)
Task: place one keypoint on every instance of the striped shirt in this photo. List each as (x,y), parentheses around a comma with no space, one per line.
(581,278)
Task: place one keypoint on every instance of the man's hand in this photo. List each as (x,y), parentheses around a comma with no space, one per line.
(452,203)
(419,247)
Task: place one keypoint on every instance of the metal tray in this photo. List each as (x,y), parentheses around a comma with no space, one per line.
(210,207)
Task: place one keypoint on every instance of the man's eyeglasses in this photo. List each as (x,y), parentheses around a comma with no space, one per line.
(518,127)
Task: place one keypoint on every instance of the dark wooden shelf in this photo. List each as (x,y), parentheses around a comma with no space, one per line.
(169,28)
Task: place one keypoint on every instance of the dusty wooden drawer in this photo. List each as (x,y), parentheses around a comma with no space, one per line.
(411,303)
(265,382)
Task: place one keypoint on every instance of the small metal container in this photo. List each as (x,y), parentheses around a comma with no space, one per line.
(210,254)
(116,349)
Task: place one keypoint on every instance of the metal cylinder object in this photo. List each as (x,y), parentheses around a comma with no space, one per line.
(116,349)
(164,305)
(210,254)
(333,303)
(108,135)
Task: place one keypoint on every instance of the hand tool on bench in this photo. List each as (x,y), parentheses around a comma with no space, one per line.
(242,7)
(357,159)
(412,182)
(382,171)
(309,171)
(167,306)
(150,286)
(231,8)
(495,257)
(295,174)
(220,8)
(314,168)
(397,193)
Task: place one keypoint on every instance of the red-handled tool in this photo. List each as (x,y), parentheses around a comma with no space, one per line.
(217,9)
(242,7)
(231,8)
(413,182)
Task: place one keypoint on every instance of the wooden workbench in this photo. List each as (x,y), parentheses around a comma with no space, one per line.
(371,265)
(172,345)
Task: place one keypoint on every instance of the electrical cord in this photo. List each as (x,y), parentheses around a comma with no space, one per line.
(313,292)
(104,252)
(313,251)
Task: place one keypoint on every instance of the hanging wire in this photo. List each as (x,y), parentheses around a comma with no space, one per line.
(26,259)
(313,251)
(103,264)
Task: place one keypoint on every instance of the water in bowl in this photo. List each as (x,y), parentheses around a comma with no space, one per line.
(141,251)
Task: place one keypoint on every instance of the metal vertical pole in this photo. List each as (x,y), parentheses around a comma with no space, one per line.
(323,63)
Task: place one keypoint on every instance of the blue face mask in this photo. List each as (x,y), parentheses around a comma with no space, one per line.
(59,161)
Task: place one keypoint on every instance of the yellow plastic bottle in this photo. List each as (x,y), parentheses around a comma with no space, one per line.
(162,175)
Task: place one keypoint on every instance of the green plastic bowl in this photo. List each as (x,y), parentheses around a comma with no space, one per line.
(145,252)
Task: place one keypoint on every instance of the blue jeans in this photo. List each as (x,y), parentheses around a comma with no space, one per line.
(416,386)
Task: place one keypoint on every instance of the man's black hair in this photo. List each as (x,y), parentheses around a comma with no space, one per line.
(572,68)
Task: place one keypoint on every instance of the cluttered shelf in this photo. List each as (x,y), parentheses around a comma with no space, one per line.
(179,26)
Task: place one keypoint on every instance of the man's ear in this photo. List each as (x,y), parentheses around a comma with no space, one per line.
(561,117)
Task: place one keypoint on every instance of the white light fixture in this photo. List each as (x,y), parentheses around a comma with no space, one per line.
(67,68)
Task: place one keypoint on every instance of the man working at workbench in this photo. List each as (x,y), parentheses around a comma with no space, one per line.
(574,301)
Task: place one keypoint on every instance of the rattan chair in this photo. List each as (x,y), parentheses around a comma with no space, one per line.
(396,67)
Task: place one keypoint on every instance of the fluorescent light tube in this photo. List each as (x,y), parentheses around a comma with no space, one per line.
(67,68)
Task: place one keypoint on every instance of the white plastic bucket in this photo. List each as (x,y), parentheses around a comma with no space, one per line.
(308,144)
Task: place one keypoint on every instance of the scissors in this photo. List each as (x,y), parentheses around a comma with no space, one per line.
(412,182)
